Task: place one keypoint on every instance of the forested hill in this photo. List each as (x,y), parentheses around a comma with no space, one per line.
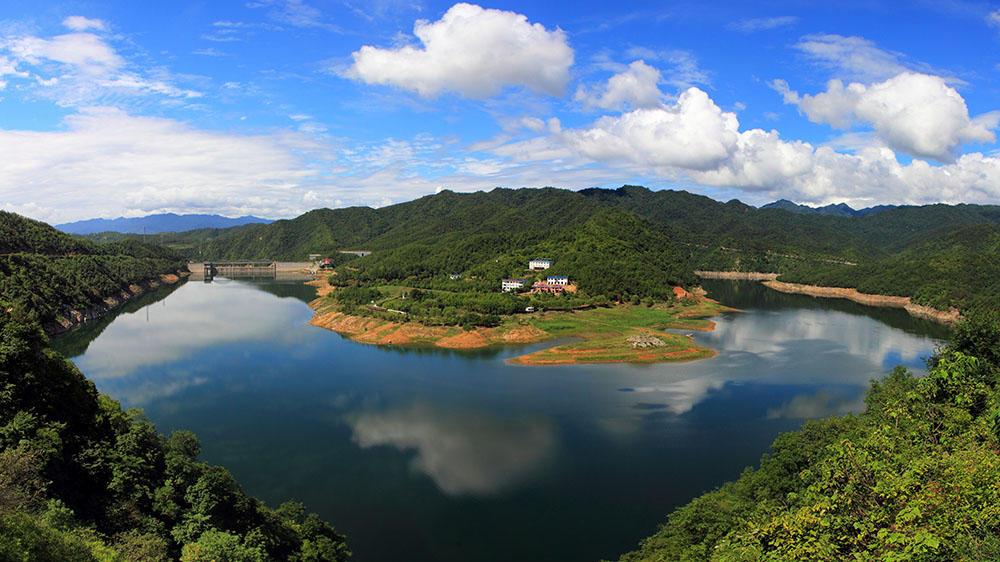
(470,233)
(47,273)
(81,480)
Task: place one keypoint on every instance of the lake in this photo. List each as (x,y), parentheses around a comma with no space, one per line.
(437,455)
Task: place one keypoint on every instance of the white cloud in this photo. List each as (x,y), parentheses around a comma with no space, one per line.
(915,113)
(634,88)
(472,51)
(694,141)
(87,53)
(994,18)
(79,68)
(80,23)
(692,134)
(108,163)
(764,24)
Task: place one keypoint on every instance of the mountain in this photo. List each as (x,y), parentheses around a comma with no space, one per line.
(838,210)
(153,224)
(486,235)
(48,273)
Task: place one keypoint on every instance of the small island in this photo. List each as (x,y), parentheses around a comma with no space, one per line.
(521,311)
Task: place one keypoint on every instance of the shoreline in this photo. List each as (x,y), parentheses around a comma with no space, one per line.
(945,317)
(73,317)
(589,327)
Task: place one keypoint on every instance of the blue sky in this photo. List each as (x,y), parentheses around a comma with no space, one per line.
(275,107)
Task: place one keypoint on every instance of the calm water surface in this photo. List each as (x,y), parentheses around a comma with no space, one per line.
(433,455)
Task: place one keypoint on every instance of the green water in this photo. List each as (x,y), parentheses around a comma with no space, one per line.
(435,455)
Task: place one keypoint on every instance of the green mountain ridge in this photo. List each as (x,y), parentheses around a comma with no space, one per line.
(470,233)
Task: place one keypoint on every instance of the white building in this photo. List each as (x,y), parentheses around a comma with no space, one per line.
(511,284)
(537,264)
(557,280)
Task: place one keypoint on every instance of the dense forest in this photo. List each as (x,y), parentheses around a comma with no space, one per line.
(80,478)
(914,477)
(46,273)
(83,480)
(660,237)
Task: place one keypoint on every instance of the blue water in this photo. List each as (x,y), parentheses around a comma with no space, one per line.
(435,455)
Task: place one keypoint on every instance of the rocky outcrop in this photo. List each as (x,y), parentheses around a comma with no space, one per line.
(737,275)
(73,317)
(947,317)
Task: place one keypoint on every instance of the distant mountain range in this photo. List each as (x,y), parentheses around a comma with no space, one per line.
(838,210)
(167,222)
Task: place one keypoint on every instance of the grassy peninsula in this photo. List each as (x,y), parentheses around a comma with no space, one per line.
(611,332)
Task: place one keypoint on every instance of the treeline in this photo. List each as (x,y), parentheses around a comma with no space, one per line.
(914,477)
(617,242)
(47,273)
(958,269)
(612,256)
(81,480)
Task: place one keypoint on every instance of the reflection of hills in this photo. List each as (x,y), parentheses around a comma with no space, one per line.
(753,294)
(76,341)
(292,287)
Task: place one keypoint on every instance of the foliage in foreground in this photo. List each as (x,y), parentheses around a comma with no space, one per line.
(914,477)
(83,480)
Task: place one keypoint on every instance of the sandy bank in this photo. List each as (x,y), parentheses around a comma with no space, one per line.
(948,317)
(73,317)
(737,275)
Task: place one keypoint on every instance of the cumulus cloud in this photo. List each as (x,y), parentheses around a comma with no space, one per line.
(915,113)
(145,164)
(693,134)
(79,68)
(472,51)
(632,89)
(463,452)
(693,140)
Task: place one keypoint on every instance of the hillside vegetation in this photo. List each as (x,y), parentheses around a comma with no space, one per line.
(82,480)
(914,477)
(47,273)
(660,238)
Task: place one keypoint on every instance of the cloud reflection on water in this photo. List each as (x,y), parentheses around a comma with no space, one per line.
(789,347)
(464,452)
(195,318)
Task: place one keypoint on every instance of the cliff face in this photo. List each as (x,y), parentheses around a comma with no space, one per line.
(73,317)
(947,317)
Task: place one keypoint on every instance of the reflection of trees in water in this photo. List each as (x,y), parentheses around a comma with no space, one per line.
(76,341)
(754,294)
